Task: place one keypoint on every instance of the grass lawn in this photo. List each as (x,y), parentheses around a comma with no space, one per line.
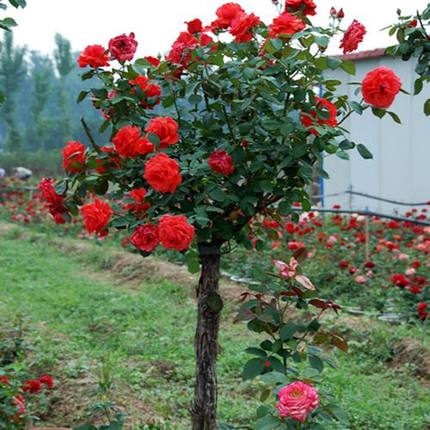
(81,323)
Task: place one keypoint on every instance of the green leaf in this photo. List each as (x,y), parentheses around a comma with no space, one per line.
(395,117)
(195,99)
(356,107)
(333,63)
(349,67)
(342,155)
(427,107)
(218,194)
(8,22)
(82,96)
(418,86)
(321,63)
(316,363)
(364,152)
(214,301)
(253,368)
(268,422)
(288,330)
(153,138)
(192,260)
(256,351)
(18,3)
(380,113)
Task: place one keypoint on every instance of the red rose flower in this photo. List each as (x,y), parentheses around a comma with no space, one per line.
(180,52)
(175,232)
(74,157)
(96,216)
(54,200)
(195,26)
(353,36)
(343,264)
(153,61)
(182,47)
(341,14)
(149,89)
(162,173)
(219,161)
(295,245)
(286,25)
(380,87)
(4,380)
(166,129)
(226,14)
(422,310)
(140,205)
(47,380)
(94,56)
(310,119)
(46,187)
(32,386)
(145,237)
(129,142)
(242,26)
(307,7)
(400,280)
(123,47)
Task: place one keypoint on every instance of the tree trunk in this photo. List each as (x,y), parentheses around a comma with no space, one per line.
(206,340)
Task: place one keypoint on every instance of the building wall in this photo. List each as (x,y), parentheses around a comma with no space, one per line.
(400,169)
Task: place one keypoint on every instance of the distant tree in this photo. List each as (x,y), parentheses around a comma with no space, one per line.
(7,23)
(43,79)
(12,71)
(64,63)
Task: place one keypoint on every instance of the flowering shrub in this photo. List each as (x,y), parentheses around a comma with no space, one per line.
(414,42)
(221,129)
(19,399)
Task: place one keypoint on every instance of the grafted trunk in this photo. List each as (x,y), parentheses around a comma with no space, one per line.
(206,339)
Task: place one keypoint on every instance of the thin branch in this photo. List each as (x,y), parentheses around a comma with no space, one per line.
(89,135)
(230,128)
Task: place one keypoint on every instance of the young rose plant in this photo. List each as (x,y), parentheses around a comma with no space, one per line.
(223,127)
(290,358)
(20,398)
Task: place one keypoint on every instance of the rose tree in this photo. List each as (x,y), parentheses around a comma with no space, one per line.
(225,127)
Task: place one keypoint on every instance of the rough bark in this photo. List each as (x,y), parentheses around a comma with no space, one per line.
(206,339)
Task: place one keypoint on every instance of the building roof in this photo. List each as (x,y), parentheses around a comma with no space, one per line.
(364,55)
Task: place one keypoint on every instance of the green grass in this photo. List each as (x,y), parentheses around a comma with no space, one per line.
(79,317)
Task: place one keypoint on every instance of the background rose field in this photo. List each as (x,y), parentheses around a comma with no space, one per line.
(395,357)
(170,264)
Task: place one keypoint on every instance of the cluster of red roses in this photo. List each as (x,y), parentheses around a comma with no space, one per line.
(31,387)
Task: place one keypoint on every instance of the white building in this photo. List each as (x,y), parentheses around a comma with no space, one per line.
(400,169)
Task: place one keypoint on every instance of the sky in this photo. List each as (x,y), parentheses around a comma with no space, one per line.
(156,23)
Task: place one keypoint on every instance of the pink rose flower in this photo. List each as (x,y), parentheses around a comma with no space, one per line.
(297,401)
